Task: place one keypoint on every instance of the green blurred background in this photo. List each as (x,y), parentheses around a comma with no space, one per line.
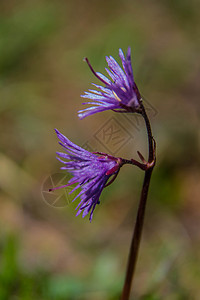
(46,252)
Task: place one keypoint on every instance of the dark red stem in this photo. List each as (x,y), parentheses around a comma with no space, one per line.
(137,232)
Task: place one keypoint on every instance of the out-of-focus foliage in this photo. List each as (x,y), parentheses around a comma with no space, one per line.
(45,251)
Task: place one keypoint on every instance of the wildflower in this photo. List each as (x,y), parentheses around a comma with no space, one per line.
(90,173)
(119,94)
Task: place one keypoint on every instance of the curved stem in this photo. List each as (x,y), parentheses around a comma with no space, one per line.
(149,133)
(137,232)
(135,163)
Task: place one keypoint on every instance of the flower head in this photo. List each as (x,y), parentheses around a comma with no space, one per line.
(119,93)
(90,173)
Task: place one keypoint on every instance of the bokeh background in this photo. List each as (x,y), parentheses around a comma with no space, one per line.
(45,251)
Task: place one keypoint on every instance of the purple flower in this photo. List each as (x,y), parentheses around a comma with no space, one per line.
(120,93)
(90,173)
